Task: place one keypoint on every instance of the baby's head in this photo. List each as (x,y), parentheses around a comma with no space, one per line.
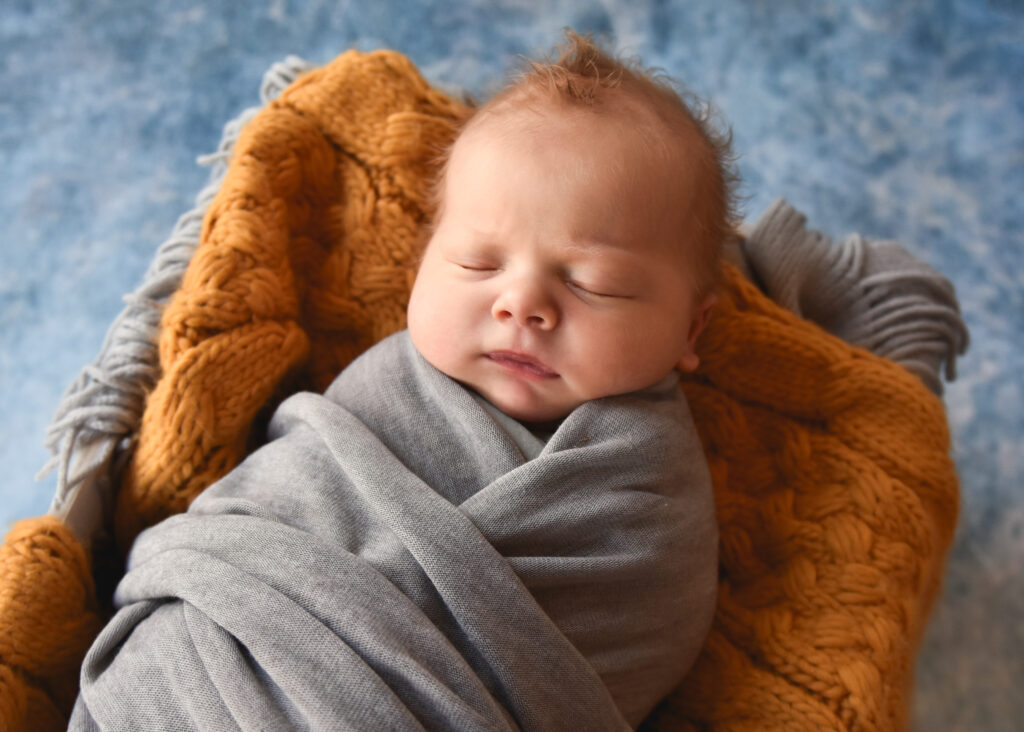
(580,219)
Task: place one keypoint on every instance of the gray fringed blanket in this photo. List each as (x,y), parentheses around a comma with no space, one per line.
(392,560)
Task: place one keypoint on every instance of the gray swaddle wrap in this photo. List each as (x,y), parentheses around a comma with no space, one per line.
(391,560)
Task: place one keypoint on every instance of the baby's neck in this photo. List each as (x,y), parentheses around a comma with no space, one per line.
(546,428)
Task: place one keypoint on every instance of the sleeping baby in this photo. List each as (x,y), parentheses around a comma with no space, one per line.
(500,518)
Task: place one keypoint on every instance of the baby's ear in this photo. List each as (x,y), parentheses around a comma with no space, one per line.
(701,314)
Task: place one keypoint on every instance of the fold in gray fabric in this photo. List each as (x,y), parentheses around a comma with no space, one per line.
(391,560)
(871,293)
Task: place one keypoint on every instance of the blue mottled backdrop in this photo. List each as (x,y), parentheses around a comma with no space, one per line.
(900,120)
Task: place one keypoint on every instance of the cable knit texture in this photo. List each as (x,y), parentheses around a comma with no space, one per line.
(48,618)
(835,492)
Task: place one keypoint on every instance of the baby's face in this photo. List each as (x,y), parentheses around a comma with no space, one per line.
(556,273)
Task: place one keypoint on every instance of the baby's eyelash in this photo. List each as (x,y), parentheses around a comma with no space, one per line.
(571,283)
(578,286)
(472,268)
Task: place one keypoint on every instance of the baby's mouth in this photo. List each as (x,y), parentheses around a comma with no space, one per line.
(522,363)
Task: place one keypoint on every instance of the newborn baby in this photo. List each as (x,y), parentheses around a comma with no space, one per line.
(500,518)
(581,216)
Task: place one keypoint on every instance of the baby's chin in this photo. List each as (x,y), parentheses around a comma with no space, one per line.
(531,412)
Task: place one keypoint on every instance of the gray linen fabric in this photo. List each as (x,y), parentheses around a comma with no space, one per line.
(392,560)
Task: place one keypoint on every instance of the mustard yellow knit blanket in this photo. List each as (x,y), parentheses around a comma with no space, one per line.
(836,495)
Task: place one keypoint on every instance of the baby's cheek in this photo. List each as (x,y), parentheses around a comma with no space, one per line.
(423,315)
(601,358)
(437,319)
(415,308)
(637,356)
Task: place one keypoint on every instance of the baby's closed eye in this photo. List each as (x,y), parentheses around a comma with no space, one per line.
(478,267)
(596,290)
(473,264)
(591,289)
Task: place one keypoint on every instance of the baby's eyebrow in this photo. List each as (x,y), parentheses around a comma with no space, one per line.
(592,243)
(600,247)
(484,240)
(594,246)
(479,241)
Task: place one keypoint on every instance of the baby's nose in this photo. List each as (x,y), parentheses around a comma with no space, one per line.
(528,304)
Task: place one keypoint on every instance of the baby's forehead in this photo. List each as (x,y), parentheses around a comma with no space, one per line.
(639,152)
(652,162)
(627,115)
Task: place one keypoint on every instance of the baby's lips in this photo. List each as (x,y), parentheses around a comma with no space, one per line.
(522,360)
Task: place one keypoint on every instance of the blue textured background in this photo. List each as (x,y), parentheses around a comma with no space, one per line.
(897,120)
